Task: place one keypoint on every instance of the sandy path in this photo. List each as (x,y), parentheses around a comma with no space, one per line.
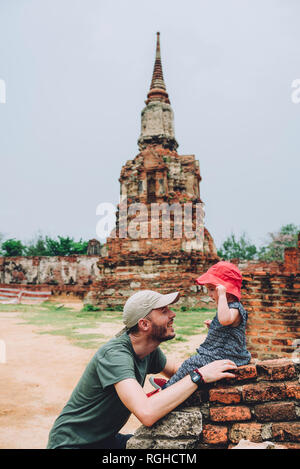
(37,379)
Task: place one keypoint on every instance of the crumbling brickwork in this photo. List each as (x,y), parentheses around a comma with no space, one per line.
(260,404)
(60,274)
(271,295)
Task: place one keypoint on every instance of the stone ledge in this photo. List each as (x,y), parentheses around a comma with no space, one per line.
(261,404)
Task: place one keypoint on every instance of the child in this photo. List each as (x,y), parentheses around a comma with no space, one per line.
(226,335)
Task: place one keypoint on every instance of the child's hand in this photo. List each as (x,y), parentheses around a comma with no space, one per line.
(208,323)
(221,290)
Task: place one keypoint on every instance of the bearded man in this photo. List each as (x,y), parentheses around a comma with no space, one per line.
(111,387)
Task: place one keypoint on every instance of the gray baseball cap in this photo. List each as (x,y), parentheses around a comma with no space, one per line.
(142,303)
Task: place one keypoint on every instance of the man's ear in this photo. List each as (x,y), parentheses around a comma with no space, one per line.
(144,324)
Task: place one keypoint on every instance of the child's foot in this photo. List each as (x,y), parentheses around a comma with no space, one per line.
(149,394)
(157,383)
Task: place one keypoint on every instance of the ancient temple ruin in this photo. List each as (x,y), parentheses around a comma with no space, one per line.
(160,239)
(160,181)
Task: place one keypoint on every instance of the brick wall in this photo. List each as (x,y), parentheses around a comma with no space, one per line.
(261,404)
(271,295)
(60,274)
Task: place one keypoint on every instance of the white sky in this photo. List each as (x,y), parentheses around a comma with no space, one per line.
(77,73)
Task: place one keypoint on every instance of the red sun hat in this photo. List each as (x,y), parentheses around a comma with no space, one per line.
(226,274)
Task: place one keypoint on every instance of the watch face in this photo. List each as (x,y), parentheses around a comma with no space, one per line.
(195,377)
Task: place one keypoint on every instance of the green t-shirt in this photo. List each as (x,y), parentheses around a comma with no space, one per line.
(94,411)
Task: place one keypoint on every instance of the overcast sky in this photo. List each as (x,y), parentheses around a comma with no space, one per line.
(77,73)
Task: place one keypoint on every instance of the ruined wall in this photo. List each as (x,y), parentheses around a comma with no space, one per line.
(260,404)
(271,295)
(61,274)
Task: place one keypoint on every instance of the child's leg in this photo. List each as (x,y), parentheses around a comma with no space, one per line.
(195,361)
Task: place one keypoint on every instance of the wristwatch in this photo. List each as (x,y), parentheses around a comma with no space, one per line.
(196,377)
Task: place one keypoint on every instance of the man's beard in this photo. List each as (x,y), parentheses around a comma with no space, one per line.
(159,333)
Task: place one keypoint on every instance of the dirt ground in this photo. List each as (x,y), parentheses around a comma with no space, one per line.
(38,377)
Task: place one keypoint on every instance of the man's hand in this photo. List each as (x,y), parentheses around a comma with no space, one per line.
(217,370)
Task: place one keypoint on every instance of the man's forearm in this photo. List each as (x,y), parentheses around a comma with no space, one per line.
(166,400)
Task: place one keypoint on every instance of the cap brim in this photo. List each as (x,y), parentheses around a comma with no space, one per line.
(166,300)
(208,278)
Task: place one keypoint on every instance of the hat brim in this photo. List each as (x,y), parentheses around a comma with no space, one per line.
(166,300)
(213,280)
(208,278)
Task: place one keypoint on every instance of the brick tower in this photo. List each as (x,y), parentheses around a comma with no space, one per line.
(159,221)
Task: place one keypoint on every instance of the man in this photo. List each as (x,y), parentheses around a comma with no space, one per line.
(111,387)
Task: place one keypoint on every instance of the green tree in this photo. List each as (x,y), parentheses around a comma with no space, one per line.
(274,249)
(65,246)
(12,247)
(36,247)
(234,248)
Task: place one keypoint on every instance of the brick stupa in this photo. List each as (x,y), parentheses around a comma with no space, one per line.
(145,256)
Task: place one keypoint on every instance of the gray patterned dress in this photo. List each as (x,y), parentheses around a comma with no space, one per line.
(222,342)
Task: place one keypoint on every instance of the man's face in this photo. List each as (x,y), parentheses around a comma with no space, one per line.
(162,324)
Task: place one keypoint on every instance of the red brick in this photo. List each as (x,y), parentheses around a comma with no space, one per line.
(229,414)
(286,431)
(264,392)
(293,389)
(275,411)
(245,372)
(248,431)
(225,395)
(213,434)
(276,369)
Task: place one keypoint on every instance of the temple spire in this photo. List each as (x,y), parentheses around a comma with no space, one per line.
(157,88)
(157,117)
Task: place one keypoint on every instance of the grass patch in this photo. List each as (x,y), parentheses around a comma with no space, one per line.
(54,318)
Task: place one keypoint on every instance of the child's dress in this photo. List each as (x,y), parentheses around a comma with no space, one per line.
(222,342)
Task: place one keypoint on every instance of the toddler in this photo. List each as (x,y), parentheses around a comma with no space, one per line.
(226,334)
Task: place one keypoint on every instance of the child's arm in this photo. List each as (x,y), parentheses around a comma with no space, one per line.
(226,315)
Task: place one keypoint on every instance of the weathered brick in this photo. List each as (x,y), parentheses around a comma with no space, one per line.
(230,413)
(245,372)
(264,392)
(275,411)
(213,434)
(293,389)
(286,431)
(225,395)
(276,369)
(249,431)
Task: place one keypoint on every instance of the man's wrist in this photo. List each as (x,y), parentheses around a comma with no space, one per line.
(200,374)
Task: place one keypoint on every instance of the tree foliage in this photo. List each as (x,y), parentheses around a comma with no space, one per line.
(234,248)
(44,246)
(12,247)
(274,249)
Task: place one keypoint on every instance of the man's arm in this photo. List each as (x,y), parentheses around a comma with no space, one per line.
(149,410)
(170,368)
